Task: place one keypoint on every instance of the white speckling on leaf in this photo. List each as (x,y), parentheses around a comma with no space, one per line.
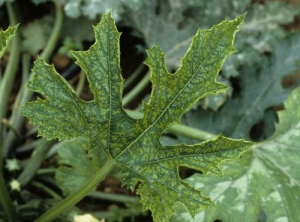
(220,199)
(219,190)
(186,217)
(240,184)
(281,219)
(241,56)
(274,197)
(241,187)
(257,168)
(199,185)
(191,179)
(239,207)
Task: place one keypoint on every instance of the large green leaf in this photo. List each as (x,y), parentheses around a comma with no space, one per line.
(265,184)
(5,37)
(134,144)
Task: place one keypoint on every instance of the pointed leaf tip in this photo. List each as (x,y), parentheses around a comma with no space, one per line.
(135,143)
(5,37)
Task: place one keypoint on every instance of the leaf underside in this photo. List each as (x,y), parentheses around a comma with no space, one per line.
(134,143)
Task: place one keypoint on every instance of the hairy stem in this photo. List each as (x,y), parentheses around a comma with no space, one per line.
(75,197)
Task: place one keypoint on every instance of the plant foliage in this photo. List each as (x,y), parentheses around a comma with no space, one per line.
(5,37)
(261,81)
(265,183)
(133,144)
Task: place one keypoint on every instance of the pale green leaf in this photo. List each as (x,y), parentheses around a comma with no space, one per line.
(5,37)
(264,184)
(33,43)
(77,166)
(134,143)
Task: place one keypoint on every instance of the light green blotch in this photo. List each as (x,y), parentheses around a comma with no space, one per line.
(241,190)
(274,197)
(281,219)
(257,168)
(187,217)
(217,192)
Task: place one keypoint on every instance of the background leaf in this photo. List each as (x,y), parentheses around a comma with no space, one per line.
(265,184)
(33,43)
(77,166)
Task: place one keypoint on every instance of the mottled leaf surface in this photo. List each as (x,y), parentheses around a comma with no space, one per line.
(5,37)
(264,184)
(260,88)
(134,143)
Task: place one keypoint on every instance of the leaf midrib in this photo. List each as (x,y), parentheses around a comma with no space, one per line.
(110,92)
(168,106)
(68,95)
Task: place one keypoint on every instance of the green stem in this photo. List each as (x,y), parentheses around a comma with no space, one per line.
(10,127)
(25,94)
(182,130)
(28,146)
(51,43)
(133,76)
(190,132)
(46,171)
(46,189)
(8,77)
(121,213)
(36,159)
(25,68)
(80,84)
(6,202)
(113,197)
(25,74)
(5,89)
(136,90)
(75,197)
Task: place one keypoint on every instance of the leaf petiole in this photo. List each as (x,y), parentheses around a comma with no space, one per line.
(75,197)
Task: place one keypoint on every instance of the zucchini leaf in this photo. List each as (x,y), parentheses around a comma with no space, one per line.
(265,184)
(134,144)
